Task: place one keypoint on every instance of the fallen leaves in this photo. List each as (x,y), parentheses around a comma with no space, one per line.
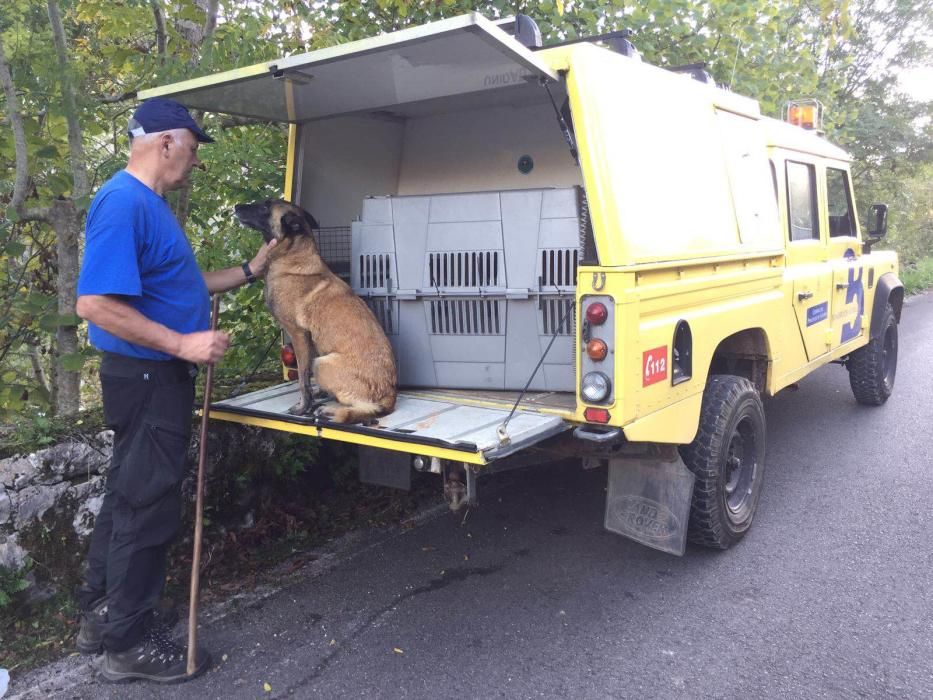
(266,687)
(398,651)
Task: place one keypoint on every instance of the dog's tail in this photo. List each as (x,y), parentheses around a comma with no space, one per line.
(356,412)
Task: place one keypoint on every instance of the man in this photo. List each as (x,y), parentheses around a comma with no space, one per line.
(148,308)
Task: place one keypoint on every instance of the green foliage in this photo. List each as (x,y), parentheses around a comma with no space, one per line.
(12,582)
(28,432)
(918,277)
(293,455)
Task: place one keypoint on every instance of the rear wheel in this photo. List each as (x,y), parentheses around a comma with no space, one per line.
(872,367)
(728,459)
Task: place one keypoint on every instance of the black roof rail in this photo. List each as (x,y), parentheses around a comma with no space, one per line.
(618,41)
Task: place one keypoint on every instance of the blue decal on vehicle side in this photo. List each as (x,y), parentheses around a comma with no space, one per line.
(854,292)
(817,313)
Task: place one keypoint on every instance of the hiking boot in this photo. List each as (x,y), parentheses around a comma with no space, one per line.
(90,634)
(156,658)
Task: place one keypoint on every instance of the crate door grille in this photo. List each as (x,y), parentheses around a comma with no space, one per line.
(473,268)
(333,244)
(466,317)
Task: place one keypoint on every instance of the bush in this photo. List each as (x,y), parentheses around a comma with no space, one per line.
(918,276)
(11,583)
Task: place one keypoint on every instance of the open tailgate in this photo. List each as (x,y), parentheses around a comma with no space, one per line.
(452,57)
(425,423)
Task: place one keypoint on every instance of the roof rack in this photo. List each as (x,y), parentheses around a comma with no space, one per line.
(618,41)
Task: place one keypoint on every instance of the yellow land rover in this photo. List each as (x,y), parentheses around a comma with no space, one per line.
(573,252)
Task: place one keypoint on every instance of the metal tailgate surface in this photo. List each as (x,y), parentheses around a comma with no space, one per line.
(468,430)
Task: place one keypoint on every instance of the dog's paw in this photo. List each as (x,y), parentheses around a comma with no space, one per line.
(299,409)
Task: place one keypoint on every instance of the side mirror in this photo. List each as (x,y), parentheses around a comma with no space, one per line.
(879,221)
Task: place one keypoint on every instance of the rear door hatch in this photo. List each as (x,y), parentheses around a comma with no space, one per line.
(447,425)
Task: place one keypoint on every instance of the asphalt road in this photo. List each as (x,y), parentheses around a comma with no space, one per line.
(830,595)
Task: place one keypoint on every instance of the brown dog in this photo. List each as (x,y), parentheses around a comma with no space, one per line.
(320,312)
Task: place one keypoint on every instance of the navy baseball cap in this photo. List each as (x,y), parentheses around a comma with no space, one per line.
(161,114)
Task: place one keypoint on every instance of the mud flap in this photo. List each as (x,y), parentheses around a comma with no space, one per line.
(648,500)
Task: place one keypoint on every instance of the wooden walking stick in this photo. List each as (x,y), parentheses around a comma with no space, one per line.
(199,507)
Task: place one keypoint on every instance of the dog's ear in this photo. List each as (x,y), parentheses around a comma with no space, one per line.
(312,222)
(292,223)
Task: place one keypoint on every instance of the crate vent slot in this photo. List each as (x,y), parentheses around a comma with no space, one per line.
(375,270)
(475,268)
(384,312)
(559,267)
(466,317)
(552,311)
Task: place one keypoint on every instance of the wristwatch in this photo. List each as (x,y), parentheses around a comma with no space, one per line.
(250,277)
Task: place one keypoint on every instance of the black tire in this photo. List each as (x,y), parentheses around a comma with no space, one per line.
(872,368)
(728,459)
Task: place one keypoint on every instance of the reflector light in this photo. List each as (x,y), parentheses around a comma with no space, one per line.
(596,415)
(597,349)
(288,356)
(596,313)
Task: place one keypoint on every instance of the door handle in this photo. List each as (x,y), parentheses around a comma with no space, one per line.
(841,285)
(803,296)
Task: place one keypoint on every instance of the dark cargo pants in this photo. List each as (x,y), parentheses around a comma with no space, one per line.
(148,405)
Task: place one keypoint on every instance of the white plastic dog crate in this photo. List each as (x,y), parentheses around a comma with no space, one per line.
(471,288)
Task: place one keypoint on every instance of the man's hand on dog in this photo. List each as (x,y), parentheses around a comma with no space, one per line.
(203,346)
(259,264)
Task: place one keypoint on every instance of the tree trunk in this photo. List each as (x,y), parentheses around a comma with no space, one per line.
(183,202)
(66,221)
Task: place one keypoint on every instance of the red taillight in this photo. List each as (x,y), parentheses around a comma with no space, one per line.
(597,349)
(596,415)
(596,313)
(293,374)
(288,356)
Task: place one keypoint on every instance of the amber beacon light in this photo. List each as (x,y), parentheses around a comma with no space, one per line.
(807,114)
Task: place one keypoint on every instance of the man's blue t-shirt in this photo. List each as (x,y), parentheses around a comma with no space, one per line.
(136,250)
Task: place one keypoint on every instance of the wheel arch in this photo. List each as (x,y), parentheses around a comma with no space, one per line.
(745,353)
(890,289)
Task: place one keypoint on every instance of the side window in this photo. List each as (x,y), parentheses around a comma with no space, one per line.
(841,218)
(801,202)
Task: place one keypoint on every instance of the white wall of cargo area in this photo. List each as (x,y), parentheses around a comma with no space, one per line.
(478,150)
(341,161)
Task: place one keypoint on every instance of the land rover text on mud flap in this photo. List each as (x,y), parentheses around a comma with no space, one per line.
(561,273)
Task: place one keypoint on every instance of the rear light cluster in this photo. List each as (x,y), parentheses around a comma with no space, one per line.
(597,331)
(289,360)
(288,356)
